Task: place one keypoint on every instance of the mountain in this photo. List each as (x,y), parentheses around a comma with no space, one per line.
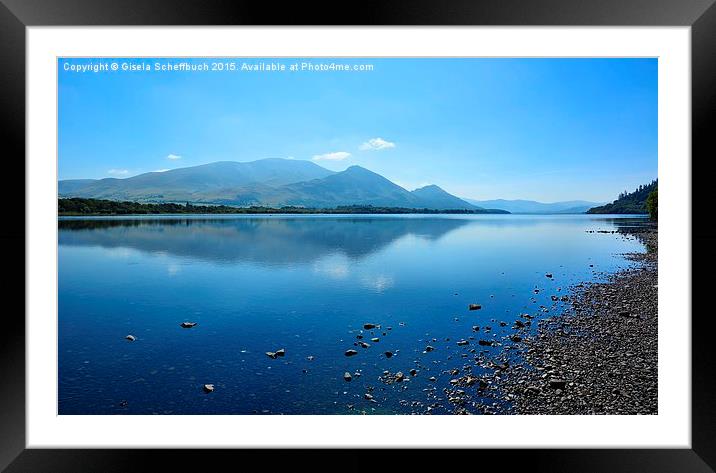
(73,185)
(441,199)
(267,182)
(534,207)
(628,202)
(202,183)
(355,185)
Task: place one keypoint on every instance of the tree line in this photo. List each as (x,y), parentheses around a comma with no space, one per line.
(76,206)
(643,200)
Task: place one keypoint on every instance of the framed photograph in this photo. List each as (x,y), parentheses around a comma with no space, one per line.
(429,227)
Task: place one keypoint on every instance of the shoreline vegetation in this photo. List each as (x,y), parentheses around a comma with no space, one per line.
(75,207)
(641,201)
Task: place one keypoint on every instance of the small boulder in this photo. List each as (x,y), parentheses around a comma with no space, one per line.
(556,383)
(474,307)
(388,354)
(208,388)
(370,326)
(271,355)
(131,338)
(188,324)
(429,348)
(347,376)
(463,343)
(351,352)
(281,352)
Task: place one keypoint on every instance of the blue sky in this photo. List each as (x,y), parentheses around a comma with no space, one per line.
(539,129)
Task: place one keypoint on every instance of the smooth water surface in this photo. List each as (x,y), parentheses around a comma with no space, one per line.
(306,284)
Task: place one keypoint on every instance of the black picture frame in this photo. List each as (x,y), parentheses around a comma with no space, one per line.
(16,15)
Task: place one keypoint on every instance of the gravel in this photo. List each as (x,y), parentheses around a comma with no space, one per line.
(600,355)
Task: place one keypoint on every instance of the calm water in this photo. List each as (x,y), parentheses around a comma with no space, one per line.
(306,284)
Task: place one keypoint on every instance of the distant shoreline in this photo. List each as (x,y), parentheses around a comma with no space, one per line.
(79,207)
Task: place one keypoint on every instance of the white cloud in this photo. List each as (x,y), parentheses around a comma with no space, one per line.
(335,156)
(118,172)
(173,157)
(162,170)
(376,144)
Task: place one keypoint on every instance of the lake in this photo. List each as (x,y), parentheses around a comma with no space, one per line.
(307,284)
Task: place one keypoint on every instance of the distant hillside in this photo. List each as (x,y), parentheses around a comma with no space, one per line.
(270,183)
(628,203)
(439,198)
(197,183)
(534,207)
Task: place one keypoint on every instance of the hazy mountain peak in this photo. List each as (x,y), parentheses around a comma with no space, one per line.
(272,182)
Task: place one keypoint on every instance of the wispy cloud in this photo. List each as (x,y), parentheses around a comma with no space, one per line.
(161,170)
(335,156)
(118,172)
(376,144)
(173,157)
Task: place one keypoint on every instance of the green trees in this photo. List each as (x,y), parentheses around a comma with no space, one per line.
(81,206)
(652,204)
(628,202)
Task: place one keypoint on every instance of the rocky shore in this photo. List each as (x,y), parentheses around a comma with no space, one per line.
(600,355)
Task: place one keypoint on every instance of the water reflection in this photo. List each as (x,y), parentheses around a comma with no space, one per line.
(264,240)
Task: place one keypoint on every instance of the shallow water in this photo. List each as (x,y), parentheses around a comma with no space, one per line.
(307,284)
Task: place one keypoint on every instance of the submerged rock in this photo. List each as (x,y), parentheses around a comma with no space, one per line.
(429,348)
(370,326)
(364,344)
(188,324)
(388,354)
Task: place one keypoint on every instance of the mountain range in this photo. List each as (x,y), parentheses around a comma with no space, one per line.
(534,207)
(266,182)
